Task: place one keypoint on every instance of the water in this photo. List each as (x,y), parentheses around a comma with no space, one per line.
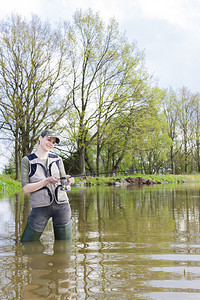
(127,243)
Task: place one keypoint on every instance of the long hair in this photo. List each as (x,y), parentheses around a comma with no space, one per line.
(36,147)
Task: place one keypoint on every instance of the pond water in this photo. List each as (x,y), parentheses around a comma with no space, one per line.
(127,243)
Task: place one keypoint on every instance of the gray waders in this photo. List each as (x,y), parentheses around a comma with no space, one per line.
(62,232)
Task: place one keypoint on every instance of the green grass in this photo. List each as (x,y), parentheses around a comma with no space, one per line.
(158,178)
(9,185)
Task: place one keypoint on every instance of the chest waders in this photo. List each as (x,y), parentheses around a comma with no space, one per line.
(49,193)
(29,234)
(62,232)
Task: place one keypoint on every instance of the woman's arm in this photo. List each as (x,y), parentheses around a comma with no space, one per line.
(32,187)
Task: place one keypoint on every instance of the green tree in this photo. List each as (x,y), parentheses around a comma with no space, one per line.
(102,62)
(181,109)
(186,103)
(172,111)
(139,136)
(197,129)
(31,73)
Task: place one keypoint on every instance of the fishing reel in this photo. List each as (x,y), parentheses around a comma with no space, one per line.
(64,187)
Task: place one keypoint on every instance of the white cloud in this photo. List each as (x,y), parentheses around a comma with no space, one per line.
(22,7)
(184,13)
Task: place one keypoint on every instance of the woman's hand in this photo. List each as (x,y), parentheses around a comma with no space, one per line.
(35,186)
(52,179)
(69,180)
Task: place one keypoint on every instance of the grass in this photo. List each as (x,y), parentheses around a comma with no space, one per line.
(90,180)
(9,185)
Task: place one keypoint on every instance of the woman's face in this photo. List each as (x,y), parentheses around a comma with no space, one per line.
(47,143)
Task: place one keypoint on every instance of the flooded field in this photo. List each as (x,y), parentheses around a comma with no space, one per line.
(127,243)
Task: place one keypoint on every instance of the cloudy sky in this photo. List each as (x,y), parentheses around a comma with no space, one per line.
(167,31)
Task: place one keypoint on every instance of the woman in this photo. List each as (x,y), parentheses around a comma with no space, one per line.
(40,176)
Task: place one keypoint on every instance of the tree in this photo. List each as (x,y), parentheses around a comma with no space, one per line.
(196,131)
(104,66)
(141,136)
(172,111)
(186,119)
(181,109)
(31,72)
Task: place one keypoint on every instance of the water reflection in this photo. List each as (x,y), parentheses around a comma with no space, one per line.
(127,243)
(48,275)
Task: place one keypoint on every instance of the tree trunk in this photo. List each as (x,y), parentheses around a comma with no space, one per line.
(108,162)
(185,156)
(198,157)
(172,160)
(17,162)
(92,170)
(117,164)
(98,158)
(82,160)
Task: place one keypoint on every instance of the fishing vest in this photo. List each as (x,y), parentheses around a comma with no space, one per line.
(51,192)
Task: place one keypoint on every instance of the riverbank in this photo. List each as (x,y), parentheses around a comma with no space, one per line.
(9,185)
(136,179)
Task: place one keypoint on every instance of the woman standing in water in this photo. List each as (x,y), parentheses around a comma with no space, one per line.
(40,175)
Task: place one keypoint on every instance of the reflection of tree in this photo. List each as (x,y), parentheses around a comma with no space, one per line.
(17,217)
(117,233)
(26,211)
(101,222)
(120,231)
(187,215)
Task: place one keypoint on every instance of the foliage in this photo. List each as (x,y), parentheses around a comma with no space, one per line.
(9,185)
(85,79)
(106,70)
(181,109)
(139,137)
(31,61)
(101,180)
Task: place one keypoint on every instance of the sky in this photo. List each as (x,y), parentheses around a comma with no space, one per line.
(166,30)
